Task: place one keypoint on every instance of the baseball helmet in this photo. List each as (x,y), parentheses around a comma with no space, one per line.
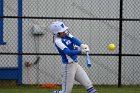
(57,27)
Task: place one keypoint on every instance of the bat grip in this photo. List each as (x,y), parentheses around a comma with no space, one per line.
(87,52)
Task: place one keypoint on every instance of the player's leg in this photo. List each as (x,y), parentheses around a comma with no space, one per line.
(68,72)
(82,77)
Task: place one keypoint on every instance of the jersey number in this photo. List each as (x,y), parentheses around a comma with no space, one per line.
(68,42)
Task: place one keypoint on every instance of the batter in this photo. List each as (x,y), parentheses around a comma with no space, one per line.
(66,45)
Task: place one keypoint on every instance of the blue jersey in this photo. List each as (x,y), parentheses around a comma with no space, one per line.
(66,48)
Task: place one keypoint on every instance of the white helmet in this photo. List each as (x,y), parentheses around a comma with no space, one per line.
(57,27)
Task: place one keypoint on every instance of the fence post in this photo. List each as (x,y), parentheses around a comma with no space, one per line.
(1,23)
(20,41)
(120,43)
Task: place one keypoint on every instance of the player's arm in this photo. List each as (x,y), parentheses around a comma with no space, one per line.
(74,40)
(69,52)
(78,42)
(65,49)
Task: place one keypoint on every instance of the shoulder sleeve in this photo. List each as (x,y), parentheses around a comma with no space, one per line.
(75,40)
(60,44)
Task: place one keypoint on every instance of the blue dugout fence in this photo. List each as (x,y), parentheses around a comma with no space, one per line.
(12,73)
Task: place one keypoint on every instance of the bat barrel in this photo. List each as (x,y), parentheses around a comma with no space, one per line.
(88,62)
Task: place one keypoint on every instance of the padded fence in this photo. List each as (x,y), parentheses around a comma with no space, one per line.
(95,22)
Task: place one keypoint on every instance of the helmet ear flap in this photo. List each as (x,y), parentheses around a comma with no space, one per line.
(58,33)
(67,32)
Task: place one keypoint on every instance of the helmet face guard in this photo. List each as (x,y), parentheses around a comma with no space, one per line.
(57,27)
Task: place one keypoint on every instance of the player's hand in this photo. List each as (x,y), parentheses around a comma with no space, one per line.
(84,46)
(84,51)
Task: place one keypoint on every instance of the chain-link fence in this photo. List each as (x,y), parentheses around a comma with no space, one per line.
(30,58)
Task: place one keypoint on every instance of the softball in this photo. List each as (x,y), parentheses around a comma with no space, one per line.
(111,47)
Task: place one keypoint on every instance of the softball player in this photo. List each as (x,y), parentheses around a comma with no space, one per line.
(65,44)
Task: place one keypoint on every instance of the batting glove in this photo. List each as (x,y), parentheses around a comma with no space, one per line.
(84,46)
(84,51)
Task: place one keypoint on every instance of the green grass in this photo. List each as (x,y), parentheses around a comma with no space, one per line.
(101,89)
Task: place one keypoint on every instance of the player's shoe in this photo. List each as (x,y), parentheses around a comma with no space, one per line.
(91,90)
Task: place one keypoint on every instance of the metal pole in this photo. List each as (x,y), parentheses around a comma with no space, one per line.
(20,41)
(37,51)
(120,43)
(1,23)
